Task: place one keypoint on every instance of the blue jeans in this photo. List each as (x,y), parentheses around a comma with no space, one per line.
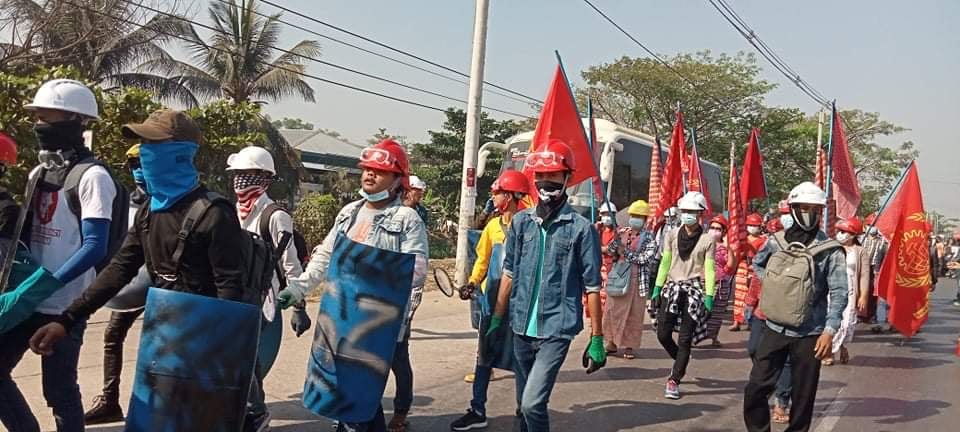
(481,382)
(60,387)
(537,363)
(882,309)
(784,385)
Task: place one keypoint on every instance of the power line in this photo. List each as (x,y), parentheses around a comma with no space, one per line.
(396,50)
(326,63)
(731,16)
(374,53)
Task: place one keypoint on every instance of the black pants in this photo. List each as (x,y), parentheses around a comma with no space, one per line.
(680,350)
(113,337)
(403,373)
(772,351)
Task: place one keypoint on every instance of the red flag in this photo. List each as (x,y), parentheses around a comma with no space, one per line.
(846,189)
(905,277)
(656,179)
(560,119)
(695,180)
(753,184)
(672,188)
(737,231)
(820,175)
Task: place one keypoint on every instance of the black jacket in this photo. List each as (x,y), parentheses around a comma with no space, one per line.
(212,262)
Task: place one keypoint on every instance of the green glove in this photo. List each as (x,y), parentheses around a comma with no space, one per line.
(286,299)
(595,356)
(656,292)
(709,303)
(494,324)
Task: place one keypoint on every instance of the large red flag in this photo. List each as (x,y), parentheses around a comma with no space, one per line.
(905,278)
(753,184)
(695,179)
(656,179)
(737,231)
(560,119)
(846,189)
(672,188)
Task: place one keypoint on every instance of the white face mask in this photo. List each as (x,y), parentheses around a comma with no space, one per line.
(753,230)
(637,222)
(787,221)
(606,220)
(688,218)
(843,237)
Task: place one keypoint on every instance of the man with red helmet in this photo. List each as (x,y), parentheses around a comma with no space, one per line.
(508,190)
(379,219)
(9,210)
(551,257)
(755,240)
(858,286)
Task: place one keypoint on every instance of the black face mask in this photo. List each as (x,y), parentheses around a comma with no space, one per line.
(549,191)
(59,136)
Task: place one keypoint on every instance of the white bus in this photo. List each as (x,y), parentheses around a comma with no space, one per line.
(624,165)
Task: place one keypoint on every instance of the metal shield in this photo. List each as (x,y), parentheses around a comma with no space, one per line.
(133,296)
(195,364)
(357,327)
(501,356)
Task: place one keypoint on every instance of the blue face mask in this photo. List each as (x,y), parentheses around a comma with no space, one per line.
(138,177)
(787,221)
(688,218)
(637,222)
(168,172)
(375,197)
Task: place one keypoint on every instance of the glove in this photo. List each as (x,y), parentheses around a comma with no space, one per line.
(286,299)
(655,298)
(300,321)
(595,356)
(494,338)
(466,292)
(708,302)
(494,325)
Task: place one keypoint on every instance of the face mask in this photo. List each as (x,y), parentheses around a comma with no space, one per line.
(807,220)
(606,220)
(637,222)
(787,221)
(716,234)
(549,191)
(168,172)
(753,230)
(688,218)
(843,237)
(138,177)
(375,197)
(59,136)
(874,231)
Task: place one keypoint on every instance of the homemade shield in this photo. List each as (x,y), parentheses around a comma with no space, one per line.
(498,354)
(357,327)
(195,363)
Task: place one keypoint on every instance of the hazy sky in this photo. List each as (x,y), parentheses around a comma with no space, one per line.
(898,58)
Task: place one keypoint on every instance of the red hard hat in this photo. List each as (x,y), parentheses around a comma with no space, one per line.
(386,155)
(719,220)
(551,156)
(851,225)
(511,181)
(774,226)
(755,219)
(784,207)
(8,150)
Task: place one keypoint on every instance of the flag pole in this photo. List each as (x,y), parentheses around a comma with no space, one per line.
(890,194)
(683,174)
(590,145)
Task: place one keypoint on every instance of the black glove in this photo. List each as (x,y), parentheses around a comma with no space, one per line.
(466,292)
(300,321)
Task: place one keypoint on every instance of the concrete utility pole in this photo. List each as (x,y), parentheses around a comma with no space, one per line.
(468,191)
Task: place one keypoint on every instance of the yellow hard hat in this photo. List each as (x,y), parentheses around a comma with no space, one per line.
(639,208)
(133,152)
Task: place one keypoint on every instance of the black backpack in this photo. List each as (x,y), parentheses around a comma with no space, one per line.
(119,214)
(299,242)
(258,252)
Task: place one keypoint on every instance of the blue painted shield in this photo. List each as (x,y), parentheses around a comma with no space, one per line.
(271,333)
(357,327)
(502,356)
(195,363)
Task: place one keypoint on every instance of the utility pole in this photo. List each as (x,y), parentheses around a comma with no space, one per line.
(468,190)
(820,116)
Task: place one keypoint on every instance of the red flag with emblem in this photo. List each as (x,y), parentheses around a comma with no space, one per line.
(846,188)
(737,230)
(905,277)
(656,179)
(695,179)
(753,184)
(672,188)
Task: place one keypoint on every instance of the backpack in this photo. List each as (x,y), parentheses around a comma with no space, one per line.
(119,213)
(788,286)
(257,252)
(264,230)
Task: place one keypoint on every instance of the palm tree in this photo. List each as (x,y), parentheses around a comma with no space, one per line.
(236,63)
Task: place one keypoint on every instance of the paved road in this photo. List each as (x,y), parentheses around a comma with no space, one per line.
(888,386)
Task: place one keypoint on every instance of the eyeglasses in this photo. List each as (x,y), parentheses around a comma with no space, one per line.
(544,159)
(376,155)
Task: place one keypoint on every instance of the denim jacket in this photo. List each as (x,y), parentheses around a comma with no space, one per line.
(398,228)
(830,280)
(571,266)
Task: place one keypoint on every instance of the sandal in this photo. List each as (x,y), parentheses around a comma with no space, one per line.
(611,348)
(827,361)
(628,354)
(780,415)
(398,423)
(735,327)
(844,355)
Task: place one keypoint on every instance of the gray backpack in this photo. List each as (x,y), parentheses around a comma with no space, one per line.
(788,285)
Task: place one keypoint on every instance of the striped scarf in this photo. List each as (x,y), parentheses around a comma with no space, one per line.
(249,188)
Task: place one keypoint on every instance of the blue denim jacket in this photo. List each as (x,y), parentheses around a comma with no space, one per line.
(830,280)
(571,266)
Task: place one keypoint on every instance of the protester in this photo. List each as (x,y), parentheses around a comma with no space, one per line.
(858,285)
(726,266)
(745,274)
(876,249)
(212,256)
(106,406)
(786,219)
(508,191)
(799,322)
(66,242)
(607,228)
(253,172)
(685,288)
(773,226)
(551,252)
(624,314)
(385,168)
(9,209)
(413,198)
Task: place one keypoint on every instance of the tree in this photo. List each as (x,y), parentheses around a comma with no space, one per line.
(292,123)
(315,215)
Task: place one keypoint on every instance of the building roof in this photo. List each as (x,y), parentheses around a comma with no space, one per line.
(319,149)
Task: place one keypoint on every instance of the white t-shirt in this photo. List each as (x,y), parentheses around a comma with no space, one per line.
(56,233)
(280,222)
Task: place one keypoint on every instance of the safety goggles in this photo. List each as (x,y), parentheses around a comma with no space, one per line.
(376,156)
(544,159)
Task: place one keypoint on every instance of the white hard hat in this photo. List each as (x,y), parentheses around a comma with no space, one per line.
(608,207)
(694,201)
(66,95)
(807,193)
(252,157)
(417,183)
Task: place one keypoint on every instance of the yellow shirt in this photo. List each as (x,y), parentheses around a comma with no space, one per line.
(492,235)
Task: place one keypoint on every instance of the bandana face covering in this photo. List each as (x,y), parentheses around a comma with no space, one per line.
(168,172)
(249,188)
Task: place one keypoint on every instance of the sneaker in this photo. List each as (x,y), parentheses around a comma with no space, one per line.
(260,423)
(103,411)
(672,390)
(470,420)
(956,303)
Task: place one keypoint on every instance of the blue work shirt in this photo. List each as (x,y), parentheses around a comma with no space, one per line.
(551,294)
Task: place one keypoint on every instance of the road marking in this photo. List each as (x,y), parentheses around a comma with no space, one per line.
(832,413)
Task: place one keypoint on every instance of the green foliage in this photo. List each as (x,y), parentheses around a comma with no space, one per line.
(227,127)
(292,123)
(315,215)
